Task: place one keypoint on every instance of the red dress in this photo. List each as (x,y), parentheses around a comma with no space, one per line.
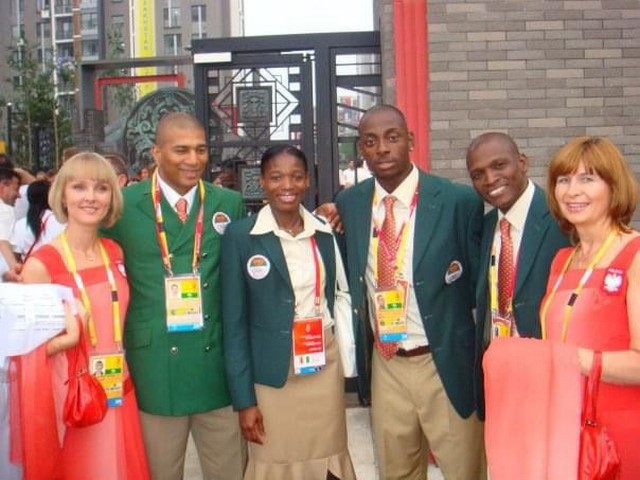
(110,450)
(599,321)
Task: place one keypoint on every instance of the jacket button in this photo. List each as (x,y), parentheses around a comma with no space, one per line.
(205,285)
(360,279)
(207,317)
(207,348)
(204,255)
(355,310)
(173,350)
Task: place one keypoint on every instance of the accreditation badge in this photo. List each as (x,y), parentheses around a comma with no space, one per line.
(308,345)
(183,303)
(109,371)
(501,326)
(391,313)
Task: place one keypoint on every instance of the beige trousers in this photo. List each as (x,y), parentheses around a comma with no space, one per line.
(221,448)
(412,414)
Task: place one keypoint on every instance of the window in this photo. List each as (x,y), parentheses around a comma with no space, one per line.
(172,44)
(17,32)
(64,53)
(64,29)
(198,13)
(198,35)
(171,17)
(89,21)
(43,30)
(90,48)
(117,25)
(45,56)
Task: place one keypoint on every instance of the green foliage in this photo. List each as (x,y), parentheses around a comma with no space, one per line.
(36,107)
(123,96)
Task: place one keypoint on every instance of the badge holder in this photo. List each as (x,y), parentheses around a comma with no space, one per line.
(308,345)
(390,309)
(108,369)
(183,303)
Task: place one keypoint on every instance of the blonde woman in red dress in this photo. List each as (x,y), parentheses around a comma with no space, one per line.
(86,195)
(592,296)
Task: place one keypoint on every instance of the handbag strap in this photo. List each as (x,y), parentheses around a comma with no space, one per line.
(80,360)
(593,383)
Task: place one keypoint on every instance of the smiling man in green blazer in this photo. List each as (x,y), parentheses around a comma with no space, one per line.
(177,366)
(421,388)
(498,172)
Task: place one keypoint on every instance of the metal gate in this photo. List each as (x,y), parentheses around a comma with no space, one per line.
(309,90)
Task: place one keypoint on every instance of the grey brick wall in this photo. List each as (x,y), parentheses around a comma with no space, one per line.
(542,71)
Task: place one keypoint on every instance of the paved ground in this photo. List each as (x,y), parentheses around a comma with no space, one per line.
(360,446)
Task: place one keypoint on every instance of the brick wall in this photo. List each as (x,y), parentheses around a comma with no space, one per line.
(542,71)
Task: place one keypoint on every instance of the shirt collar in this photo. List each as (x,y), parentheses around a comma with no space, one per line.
(266,223)
(171,196)
(517,214)
(403,193)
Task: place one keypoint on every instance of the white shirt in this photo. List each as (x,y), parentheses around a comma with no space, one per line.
(401,209)
(517,217)
(352,176)
(299,258)
(23,238)
(22,203)
(172,197)
(7,220)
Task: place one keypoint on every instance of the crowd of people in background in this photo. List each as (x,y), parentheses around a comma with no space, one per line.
(454,309)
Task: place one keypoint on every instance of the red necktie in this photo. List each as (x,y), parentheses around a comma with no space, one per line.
(387,253)
(505,268)
(181,209)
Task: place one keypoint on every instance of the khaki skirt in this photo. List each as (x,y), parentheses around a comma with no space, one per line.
(305,426)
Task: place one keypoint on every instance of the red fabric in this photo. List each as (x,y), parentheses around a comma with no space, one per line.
(533,392)
(387,257)
(599,322)
(110,450)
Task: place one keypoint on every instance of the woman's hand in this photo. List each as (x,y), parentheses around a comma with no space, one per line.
(71,336)
(329,211)
(251,425)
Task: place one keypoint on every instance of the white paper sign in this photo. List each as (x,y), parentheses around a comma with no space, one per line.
(30,315)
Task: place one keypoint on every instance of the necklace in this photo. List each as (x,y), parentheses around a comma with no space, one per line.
(294,229)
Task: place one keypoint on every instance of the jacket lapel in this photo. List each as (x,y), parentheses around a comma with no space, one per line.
(535,228)
(275,254)
(488,231)
(362,225)
(427,214)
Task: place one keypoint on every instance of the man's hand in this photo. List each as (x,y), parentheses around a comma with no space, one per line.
(251,425)
(329,211)
(14,274)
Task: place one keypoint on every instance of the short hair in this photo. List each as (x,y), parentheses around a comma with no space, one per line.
(8,174)
(599,155)
(273,152)
(118,163)
(69,152)
(385,108)
(491,136)
(180,120)
(86,165)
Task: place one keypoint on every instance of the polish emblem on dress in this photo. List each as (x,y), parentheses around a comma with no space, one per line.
(258,267)
(120,267)
(613,279)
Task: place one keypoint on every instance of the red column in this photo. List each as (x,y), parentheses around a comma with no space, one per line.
(412,70)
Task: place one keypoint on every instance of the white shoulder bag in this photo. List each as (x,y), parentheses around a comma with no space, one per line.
(343,319)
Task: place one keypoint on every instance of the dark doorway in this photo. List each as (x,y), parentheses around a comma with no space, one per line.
(309,90)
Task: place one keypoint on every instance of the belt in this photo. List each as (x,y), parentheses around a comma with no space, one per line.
(414,352)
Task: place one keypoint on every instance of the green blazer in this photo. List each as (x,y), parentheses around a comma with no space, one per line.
(178,373)
(258,312)
(541,240)
(448,227)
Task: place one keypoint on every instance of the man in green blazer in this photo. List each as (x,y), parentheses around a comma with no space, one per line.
(421,392)
(498,172)
(177,366)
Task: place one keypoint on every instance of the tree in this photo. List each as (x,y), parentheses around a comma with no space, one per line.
(37,112)
(123,96)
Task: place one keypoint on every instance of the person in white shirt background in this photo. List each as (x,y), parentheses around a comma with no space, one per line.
(355,173)
(39,226)
(9,193)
